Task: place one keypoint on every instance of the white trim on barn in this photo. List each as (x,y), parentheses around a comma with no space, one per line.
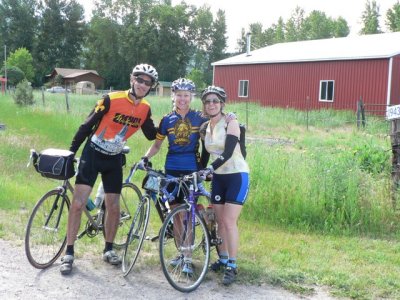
(347,48)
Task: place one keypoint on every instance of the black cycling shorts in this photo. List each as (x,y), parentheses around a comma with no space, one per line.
(93,162)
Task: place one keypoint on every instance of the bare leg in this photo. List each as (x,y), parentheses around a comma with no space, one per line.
(230,218)
(81,194)
(112,216)
(219,215)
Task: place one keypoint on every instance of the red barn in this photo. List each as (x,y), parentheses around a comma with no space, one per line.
(331,73)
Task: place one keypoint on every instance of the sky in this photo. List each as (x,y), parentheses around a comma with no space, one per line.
(240,14)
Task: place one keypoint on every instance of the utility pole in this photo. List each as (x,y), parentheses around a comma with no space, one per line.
(5,67)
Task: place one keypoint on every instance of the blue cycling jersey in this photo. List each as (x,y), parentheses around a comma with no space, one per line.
(183,139)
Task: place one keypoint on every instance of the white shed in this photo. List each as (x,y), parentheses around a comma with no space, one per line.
(85,88)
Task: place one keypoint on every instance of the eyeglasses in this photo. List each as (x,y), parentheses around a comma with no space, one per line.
(141,81)
(213,101)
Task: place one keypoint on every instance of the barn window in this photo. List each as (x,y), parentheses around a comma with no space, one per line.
(326,90)
(243,88)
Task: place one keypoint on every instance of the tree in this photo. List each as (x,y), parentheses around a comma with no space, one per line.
(370,18)
(201,31)
(14,75)
(75,30)
(167,39)
(197,76)
(340,28)
(60,38)
(295,26)
(279,30)
(104,34)
(18,23)
(298,28)
(51,32)
(241,42)
(257,36)
(22,59)
(218,44)
(317,26)
(393,17)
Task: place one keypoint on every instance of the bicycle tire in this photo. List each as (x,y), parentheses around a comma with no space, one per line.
(129,202)
(136,235)
(45,243)
(199,245)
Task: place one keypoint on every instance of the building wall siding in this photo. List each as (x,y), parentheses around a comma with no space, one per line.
(291,84)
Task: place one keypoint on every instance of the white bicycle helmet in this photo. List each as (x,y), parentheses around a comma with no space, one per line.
(183,84)
(146,69)
(212,89)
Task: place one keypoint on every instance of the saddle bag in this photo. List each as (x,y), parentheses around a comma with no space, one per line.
(55,163)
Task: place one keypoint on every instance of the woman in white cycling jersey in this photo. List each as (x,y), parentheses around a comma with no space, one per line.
(230,181)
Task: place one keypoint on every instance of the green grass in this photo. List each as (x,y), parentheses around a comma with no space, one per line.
(319,212)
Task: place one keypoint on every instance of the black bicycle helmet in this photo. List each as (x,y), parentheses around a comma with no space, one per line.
(183,84)
(212,89)
(146,69)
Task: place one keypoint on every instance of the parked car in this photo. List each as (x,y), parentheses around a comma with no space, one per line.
(57,89)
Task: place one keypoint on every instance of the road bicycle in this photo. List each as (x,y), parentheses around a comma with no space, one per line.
(46,231)
(155,185)
(185,258)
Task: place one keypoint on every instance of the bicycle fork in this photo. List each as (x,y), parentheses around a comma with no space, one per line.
(54,209)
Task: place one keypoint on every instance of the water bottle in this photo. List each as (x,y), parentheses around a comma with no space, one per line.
(89,204)
(98,200)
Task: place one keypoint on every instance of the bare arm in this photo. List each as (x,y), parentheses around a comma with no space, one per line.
(153,150)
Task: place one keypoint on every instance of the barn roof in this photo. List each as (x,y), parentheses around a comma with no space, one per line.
(383,45)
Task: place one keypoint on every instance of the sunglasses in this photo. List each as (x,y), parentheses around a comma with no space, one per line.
(213,101)
(141,81)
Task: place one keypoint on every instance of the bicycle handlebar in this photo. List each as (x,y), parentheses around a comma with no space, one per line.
(194,179)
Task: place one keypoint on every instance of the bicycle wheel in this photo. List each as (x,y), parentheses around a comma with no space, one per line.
(157,217)
(136,235)
(185,257)
(129,202)
(46,232)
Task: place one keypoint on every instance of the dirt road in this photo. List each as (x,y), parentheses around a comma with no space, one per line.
(93,279)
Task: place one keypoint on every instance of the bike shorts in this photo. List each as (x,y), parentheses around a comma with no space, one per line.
(93,162)
(230,188)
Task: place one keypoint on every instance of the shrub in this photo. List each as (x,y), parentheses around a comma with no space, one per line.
(24,94)
(372,159)
(14,75)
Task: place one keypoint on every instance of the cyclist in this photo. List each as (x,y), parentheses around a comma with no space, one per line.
(114,119)
(230,180)
(181,128)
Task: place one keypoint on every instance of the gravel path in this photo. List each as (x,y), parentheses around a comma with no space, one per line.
(93,279)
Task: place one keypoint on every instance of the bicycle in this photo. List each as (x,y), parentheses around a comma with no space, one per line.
(185,260)
(46,231)
(155,185)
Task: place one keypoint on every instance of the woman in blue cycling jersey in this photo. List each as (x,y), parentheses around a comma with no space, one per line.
(181,128)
